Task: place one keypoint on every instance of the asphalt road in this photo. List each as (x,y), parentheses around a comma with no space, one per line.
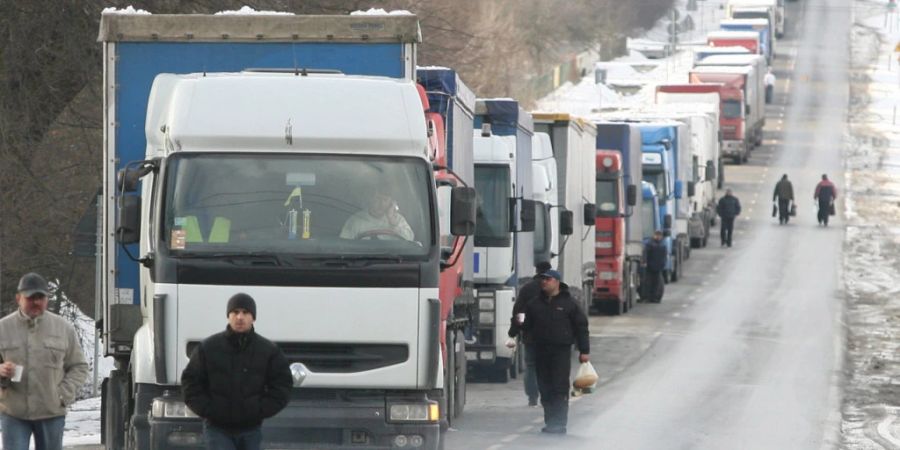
(746,350)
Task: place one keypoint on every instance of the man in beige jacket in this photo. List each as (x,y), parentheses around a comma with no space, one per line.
(42,369)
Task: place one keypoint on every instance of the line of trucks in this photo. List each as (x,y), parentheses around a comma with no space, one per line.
(236,148)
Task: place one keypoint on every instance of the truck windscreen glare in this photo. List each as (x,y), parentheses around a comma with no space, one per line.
(296,204)
(731,109)
(492,186)
(607,198)
(647,222)
(654,175)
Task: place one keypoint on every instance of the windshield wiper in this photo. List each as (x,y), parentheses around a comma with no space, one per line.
(349,260)
(252,257)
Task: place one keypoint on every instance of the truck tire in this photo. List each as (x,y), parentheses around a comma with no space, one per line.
(696,242)
(738,159)
(459,387)
(500,371)
(113,405)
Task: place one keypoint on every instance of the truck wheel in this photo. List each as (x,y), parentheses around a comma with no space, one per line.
(459,387)
(615,307)
(738,159)
(113,403)
(501,370)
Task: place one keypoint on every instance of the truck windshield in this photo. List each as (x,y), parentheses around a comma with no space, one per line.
(732,109)
(493,191)
(750,15)
(653,174)
(648,224)
(306,205)
(607,197)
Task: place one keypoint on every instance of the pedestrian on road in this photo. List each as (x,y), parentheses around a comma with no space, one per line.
(235,379)
(784,195)
(43,368)
(825,195)
(769,80)
(556,322)
(654,263)
(528,292)
(728,208)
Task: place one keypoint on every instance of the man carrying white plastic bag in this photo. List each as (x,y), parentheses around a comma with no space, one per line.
(556,322)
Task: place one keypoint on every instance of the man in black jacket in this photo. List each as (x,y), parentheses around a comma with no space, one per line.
(235,379)
(784,195)
(728,208)
(555,322)
(528,292)
(654,262)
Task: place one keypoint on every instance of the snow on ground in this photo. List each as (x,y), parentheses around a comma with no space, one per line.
(631,80)
(872,211)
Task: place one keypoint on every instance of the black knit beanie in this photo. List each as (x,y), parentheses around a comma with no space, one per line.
(243,301)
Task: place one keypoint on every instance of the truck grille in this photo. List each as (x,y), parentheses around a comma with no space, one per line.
(344,358)
(339,358)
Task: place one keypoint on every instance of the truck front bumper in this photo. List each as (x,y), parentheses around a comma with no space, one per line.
(325,423)
(733,148)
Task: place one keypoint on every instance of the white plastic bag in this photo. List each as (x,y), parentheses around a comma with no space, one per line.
(586,377)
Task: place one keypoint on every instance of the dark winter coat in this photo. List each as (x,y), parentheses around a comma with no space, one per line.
(784,190)
(729,207)
(528,292)
(235,380)
(655,253)
(557,321)
(825,193)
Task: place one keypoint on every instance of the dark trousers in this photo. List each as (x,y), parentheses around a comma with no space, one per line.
(784,210)
(554,363)
(219,439)
(824,210)
(531,385)
(652,286)
(726,230)
(770,93)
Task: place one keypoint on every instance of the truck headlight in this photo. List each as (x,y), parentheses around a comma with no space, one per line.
(486,318)
(607,275)
(486,303)
(414,412)
(166,408)
(604,244)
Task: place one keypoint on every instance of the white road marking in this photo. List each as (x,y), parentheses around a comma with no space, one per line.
(524,429)
(676,314)
(494,447)
(509,438)
(538,420)
(684,305)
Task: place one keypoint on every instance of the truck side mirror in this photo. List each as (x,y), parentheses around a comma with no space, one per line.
(128,227)
(692,188)
(631,195)
(679,189)
(127,178)
(710,170)
(590,212)
(528,217)
(462,211)
(667,222)
(566,222)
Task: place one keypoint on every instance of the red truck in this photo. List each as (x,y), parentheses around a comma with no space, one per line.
(736,142)
(746,39)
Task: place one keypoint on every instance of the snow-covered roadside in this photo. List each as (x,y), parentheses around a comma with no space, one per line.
(871,267)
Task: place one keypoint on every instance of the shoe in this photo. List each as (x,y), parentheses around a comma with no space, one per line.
(729,245)
(554,430)
(532,402)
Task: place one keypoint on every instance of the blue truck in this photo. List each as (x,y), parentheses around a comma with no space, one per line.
(233,163)
(664,149)
(504,231)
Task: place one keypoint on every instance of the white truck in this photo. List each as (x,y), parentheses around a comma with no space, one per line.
(545,177)
(753,69)
(238,172)
(772,10)
(504,241)
(574,149)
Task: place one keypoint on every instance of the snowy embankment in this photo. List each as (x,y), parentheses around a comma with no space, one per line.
(871,265)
